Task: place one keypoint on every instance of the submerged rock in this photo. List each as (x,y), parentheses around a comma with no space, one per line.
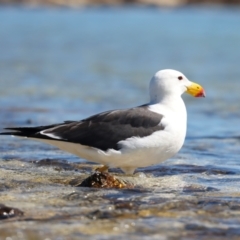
(104,180)
(8,212)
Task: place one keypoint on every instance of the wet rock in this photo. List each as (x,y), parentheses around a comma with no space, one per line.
(197,188)
(98,214)
(126,205)
(9,212)
(221,172)
(103,180)
(195,227)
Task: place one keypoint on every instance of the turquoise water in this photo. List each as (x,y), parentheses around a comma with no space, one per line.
(66,64)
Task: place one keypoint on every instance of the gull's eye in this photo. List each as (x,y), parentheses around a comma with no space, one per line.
(180,78)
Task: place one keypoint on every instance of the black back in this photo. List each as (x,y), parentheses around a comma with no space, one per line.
(102,131)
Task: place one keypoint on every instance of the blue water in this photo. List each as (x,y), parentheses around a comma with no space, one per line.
(61,64)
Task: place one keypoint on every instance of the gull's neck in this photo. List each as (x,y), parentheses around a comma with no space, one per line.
(167,99)
(172,102)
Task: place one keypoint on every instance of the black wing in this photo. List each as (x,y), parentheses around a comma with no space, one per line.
(102,131)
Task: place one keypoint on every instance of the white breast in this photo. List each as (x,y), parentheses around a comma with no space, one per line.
(159,146)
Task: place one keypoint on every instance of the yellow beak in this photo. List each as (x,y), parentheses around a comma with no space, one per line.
(196,90)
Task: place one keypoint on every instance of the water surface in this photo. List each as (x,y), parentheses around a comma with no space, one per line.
(60,64)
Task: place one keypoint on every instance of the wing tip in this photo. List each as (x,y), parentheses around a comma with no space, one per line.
(8,133)
(14,132)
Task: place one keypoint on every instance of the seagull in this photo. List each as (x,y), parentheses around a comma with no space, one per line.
(126,138)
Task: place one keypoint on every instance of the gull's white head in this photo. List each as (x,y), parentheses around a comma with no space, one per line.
(170,82)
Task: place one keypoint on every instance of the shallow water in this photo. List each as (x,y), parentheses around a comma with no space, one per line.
(65,64)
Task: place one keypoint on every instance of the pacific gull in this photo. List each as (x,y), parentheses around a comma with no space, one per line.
(130,138)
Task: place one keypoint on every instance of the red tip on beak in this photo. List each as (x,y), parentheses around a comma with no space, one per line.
(201,93)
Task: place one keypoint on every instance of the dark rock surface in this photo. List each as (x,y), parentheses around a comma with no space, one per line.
(9,212)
